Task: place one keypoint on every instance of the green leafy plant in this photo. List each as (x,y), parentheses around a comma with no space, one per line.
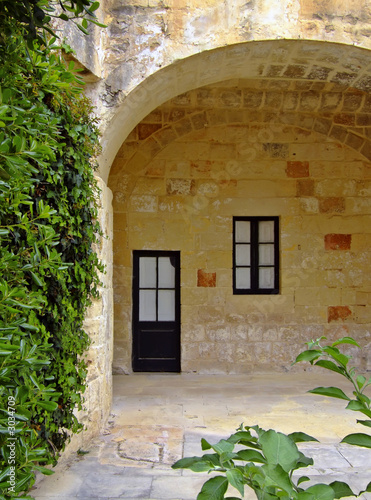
(266,461)
(331,358)
(35,15)
(49,271)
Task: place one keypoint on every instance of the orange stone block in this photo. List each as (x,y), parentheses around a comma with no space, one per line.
(297,169)
(338,241)
(335,313)
(206,279)
(331,205)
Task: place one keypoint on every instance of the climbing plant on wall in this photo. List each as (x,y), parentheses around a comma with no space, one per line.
(48,228)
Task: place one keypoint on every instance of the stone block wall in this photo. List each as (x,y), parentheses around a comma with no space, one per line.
(222,151)
(99,326)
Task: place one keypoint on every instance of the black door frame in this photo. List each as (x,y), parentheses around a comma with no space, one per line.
(140,328)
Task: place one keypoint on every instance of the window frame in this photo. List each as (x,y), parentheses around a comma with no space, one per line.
(254,256)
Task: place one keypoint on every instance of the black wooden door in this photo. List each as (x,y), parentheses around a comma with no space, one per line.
(156,311)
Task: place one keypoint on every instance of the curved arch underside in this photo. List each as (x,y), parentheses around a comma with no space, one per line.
(319,86)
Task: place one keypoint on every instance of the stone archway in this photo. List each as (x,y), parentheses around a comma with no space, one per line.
(315,66)
(301,142)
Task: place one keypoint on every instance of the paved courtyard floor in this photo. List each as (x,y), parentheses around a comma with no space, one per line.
(159,418)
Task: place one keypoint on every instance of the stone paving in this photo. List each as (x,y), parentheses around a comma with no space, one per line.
(158,418)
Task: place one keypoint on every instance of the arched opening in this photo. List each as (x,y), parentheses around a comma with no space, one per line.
(287,137)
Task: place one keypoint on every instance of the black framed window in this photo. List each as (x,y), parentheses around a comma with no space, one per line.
(255,255)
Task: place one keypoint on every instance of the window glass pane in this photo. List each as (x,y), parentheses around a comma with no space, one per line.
(147,272)
(266,277)
(147,305)
(266,255)
(243,277)
(242,231)
(242,255)
(166,273)
(166,305)
(266,230)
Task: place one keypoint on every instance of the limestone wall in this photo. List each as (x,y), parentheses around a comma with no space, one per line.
(227,150)
(145,37)
(99,326)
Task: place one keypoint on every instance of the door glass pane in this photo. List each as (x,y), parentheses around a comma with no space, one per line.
(147,272)
(243,277)
(266,277)
(266,255)
(147,305)
(166,273)
(242,231)
(242,255)
(166,305)
(266,230)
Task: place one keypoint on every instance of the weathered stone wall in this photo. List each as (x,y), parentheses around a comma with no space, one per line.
(237,149)
(144,37)
(99,326)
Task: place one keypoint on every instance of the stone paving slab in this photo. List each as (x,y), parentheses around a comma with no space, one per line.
(163,418)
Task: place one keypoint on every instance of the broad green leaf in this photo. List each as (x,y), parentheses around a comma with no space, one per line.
(301,437)
(205,445)
(303,479)
(345,340)
(366,423)
(368,489)
(48,405)
(361,380)
(321,492)
(364,399)
(212,459)
(304,461)
(277,477)
(43,470)
(358,406)
(341,489)
(309,355)
(358,439)
(236,479)
(223,446)
(251,456)
(333,392)
(202,466)
(279,449)
(213,489)
(330,365)
(241,436)
(303,495)
(227,456)
(186,463)
(337,355)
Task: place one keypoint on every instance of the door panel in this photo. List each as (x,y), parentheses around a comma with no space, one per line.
(156,311)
